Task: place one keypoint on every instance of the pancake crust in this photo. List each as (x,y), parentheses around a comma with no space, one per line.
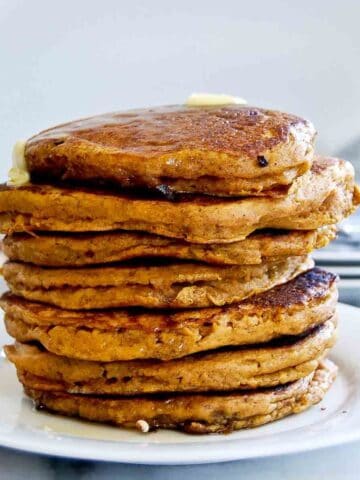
(194,413)
(183,285)
(289,309)
(226,150)
(320,197)
(248,368)
(68,250)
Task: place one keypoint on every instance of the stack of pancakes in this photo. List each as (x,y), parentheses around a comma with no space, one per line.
(159,267)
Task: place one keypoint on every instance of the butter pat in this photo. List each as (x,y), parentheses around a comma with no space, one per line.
(18,174)
(208,99)
(18,177)
(18,155)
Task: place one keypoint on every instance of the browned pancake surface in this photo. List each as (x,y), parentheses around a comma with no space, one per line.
(194,413)
(168,285)
(266,365)
(223,150)
(323,196)
(107,335)
(59,249)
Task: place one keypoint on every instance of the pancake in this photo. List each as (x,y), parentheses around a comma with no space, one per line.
(240,368)
(168,285)
(193,413)
(109,335)
(68,250)
(226,150)
(323,196)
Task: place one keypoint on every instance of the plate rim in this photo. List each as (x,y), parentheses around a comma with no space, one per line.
(127,456)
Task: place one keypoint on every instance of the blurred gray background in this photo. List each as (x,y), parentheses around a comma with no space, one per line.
(63,60)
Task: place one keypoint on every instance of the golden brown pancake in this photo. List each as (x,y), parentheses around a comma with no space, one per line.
(266,365)
(168,285)
(109,335)
(68,250)
(193,413)
(226,150)
(323,196)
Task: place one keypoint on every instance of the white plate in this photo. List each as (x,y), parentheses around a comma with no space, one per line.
(336,420)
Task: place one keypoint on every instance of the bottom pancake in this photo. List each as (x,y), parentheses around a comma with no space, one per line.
(279,362)
(194,413)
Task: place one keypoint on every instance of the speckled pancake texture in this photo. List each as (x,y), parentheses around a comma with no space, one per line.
(183,285)
(266,365)
(69,250)
(159,272)
(290,309)
(194,413)
(224,150)
(322,196)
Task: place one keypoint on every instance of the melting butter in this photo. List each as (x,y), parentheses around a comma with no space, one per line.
(18,177)
(208,99)
(18,173)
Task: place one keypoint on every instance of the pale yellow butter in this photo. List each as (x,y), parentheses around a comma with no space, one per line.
(18,173)
(208,99)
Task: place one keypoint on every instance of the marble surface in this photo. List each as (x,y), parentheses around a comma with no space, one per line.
(339,463)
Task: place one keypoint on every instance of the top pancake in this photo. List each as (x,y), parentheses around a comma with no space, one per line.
(226,150)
